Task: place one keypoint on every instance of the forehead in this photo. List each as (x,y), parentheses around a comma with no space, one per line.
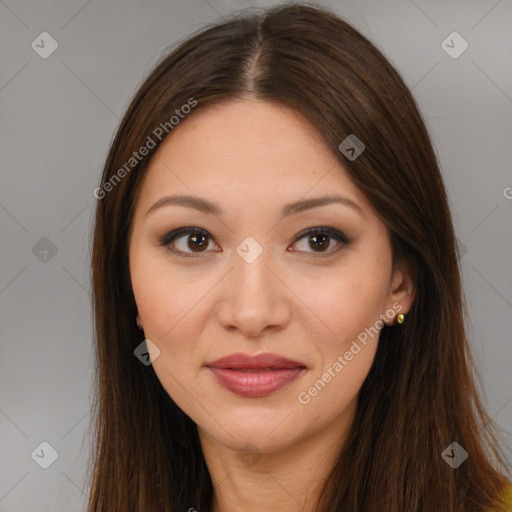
(259,150)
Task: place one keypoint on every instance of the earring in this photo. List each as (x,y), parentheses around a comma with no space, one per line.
(139,325)
(400,318)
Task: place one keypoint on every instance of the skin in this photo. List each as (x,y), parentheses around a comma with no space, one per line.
(296,299)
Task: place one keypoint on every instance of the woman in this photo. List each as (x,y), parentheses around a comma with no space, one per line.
(278,303)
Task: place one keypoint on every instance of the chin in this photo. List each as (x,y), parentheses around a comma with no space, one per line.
(266,432)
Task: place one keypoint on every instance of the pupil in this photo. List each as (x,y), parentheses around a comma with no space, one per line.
(320,240)
(196,245)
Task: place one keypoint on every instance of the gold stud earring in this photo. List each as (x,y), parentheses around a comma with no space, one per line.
(400,318)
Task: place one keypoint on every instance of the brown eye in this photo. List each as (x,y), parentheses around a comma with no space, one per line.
(197,242)
(320,240)
(186,241)
(190,241)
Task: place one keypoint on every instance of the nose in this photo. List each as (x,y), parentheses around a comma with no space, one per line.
(254,298)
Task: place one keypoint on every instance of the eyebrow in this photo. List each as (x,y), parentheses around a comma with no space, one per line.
(210,208)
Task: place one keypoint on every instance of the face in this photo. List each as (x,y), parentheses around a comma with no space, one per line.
(306,287)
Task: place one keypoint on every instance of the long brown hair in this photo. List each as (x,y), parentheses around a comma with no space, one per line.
(420,394)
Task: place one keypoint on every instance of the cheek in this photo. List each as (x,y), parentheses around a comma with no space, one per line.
(165,299)
(348,301)
(165,302)
(349,305)
(159,306)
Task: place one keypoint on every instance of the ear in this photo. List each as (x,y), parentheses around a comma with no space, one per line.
(402,290)
(139,324)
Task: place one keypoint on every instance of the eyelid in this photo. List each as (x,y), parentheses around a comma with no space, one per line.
(168,238)
(171,235)
(326,230)
(333,233)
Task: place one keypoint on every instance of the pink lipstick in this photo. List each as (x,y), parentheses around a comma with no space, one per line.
(255,376)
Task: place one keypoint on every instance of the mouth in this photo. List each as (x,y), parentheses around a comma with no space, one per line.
(255,376)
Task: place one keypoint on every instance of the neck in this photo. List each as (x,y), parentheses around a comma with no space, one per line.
(286,478)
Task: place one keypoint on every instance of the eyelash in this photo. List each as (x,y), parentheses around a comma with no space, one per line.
(335,234)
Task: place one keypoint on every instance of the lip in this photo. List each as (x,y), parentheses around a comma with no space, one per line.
(255,376)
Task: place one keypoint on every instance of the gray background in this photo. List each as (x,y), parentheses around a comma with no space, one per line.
(58,116)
